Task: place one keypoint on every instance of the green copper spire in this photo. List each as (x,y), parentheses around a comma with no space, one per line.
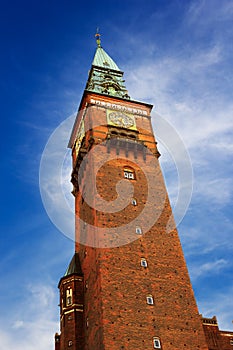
(74,266)
(101,58)
(105,76)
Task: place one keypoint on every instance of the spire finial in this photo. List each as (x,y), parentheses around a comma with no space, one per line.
(97,35)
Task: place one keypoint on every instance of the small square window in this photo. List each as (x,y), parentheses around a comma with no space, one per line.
(150,300)
(156,343)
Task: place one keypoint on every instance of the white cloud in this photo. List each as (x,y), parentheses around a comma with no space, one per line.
(208,268)
(18,324)
(219,305)
(192,97)
(32,321)
(214,190)
(195,9)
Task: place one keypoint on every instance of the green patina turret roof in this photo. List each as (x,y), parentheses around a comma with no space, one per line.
(74,266)
(102,59)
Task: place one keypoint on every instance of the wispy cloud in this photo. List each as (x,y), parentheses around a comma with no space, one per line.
(198,107)
(208,268)
(214,189)
(31,321)
(219,305)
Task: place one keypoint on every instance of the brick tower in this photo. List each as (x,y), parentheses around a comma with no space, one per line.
(127,286)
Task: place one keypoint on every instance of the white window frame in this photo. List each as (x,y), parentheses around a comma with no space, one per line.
(150,300)
(134,202)
(129,174)
(143,262)
(138,230)
(156,343)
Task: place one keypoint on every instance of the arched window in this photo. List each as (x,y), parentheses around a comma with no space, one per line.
(129,173)
(69,297)
(149,299)
(143,262)
(138,230)
(134,201)
(156,343)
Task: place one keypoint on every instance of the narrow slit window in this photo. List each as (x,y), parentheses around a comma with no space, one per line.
(69,297)
(143,262)
(156,343)
(149,300)
(138,230)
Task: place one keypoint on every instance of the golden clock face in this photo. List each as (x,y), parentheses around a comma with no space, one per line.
(121,119)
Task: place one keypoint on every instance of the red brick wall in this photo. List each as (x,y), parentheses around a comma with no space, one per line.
(116,313)
(72,320)
(217,339)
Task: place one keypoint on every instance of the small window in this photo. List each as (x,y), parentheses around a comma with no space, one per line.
(70,343)
(69,301)
(149,300)
(69,297)
(156,343)
(143,262)
(57,338)
(134,201)
(128,175)
(138,230)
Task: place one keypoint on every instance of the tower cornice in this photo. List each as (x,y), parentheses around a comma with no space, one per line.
(86,99)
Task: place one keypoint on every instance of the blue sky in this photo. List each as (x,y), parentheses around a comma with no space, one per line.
(176,55)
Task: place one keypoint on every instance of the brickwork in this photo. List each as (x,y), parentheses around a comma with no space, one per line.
(216,338)
(115,300)
(71,314)
(127,286)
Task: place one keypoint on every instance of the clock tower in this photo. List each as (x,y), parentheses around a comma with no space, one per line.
(127,286)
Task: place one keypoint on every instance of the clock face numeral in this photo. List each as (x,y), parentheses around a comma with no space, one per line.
(121,119)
